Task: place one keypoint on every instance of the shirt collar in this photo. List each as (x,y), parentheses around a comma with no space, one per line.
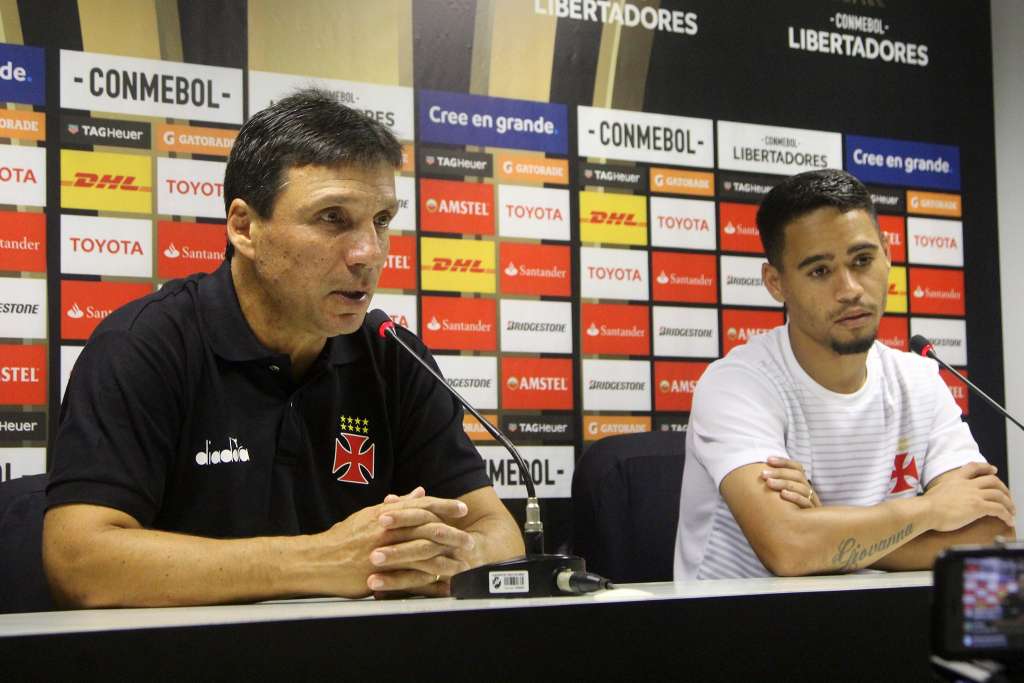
(232,338)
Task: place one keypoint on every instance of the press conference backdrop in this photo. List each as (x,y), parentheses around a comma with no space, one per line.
(576,238)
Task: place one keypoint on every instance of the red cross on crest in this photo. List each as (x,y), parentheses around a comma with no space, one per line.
(904,468)
(353,451)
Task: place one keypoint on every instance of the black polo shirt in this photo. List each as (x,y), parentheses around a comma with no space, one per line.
(178,416)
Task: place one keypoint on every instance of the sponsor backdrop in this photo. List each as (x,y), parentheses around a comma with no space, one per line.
(576,238)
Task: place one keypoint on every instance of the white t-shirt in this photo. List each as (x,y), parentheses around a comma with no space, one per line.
(889,439)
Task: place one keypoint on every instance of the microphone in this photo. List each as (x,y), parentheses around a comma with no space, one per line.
(920,344)
(536,574)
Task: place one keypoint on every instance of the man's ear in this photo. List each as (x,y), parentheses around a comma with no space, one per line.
(242,220)
(772,280)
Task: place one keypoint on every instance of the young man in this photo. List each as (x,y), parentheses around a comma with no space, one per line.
(243,435)
(896,474)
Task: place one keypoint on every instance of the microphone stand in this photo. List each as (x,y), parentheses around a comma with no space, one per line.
(536,574)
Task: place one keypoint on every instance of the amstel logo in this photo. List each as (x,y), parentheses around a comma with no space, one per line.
(894,228)
(23,374)
(457,207)
(538,269)
(896,298)
(460,324)
(684,278)
(85,304)
(675,382)
(738,326)
(613,218)
(453,265)
(23,242)
(103,181)
(186,248)
(615,329)
(536,383)
(933,290)
(400,269)
(957,388)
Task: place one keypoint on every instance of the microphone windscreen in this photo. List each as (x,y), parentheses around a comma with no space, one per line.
(380,321)
(919,344)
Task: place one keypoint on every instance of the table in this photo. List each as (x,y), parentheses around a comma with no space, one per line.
(871,626)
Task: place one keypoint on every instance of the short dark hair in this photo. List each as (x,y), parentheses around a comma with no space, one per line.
(308,127)
(801,194)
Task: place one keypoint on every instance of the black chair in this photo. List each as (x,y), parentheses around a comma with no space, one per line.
(23,586)
(625,500)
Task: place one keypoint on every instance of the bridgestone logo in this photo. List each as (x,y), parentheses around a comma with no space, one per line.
(745,281)
(469,383)
(515,326)
(601,385)
(946,341)
(27,309)
(684,332)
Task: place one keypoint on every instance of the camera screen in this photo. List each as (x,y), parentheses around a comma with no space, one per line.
(993,602)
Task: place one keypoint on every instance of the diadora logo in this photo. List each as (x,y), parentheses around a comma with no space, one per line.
(739,326)
(533,212)
(935,291)
(615,329)
(23,374)
(234,452)
(616,384)
(536,383)
(457,265)
(934,241)
(613,218)
(684,278)
(540,269)
(613,274)
(894,230)
(22,175)
(353,451)
(400,269)
(105,182)
(22,74)
(739,228)
(457,207)
(106,246)
(23,242)
(150,87)
(676,381)
(85,304)
(460,324)
(186,248)
(682,223)
(190,188)
(536,326)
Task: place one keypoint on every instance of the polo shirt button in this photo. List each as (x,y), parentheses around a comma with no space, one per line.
(274,368)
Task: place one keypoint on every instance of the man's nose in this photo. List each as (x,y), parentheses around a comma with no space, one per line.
(368,247)
(848,287)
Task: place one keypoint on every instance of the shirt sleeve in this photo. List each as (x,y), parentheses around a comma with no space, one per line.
(434,451)
(737,419)
(950,443)
(119,424)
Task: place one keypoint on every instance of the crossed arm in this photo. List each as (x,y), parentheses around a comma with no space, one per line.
(793,535)
(100,557)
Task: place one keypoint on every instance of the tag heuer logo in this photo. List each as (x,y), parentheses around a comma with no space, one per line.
(73,128)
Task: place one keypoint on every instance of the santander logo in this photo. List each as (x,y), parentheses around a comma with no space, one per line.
(75,312)
(171,251)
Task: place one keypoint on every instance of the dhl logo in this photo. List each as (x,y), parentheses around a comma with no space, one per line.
(613,218)
(454,265)
(104,181)
(896,299)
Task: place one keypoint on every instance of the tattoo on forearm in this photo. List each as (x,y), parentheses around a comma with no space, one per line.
(851,553)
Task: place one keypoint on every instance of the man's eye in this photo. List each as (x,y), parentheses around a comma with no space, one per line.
(331,216)
(383,220)
(863,261)
(819,272)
